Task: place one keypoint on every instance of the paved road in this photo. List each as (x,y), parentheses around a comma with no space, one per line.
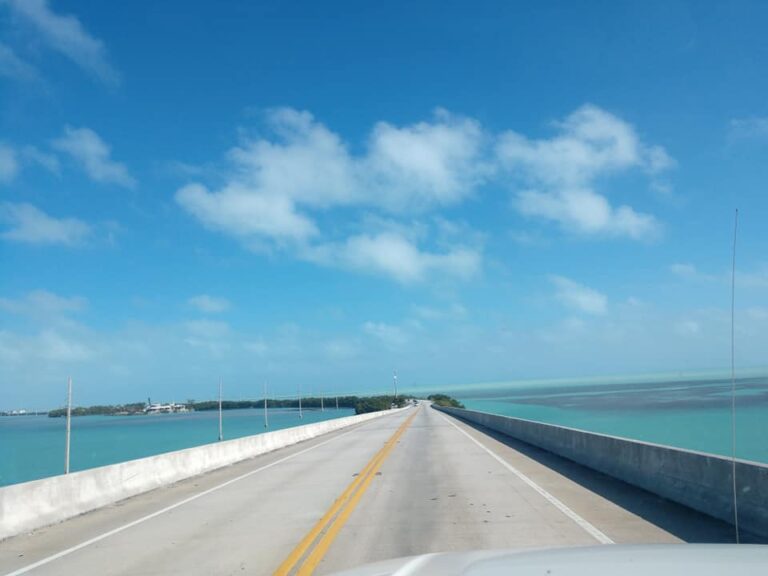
(407,483)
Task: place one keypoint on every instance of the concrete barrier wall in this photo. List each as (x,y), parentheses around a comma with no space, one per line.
(695,479)
(30,505)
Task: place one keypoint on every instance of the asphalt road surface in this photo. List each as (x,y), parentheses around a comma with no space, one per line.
(407,483)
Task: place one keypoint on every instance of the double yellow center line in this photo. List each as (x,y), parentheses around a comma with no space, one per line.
(319,539)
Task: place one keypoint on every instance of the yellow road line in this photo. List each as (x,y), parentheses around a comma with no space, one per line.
(342,506)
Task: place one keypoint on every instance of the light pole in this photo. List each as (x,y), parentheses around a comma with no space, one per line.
(395,382)
(69,424)
(301,415)
(221,423)
(266,416)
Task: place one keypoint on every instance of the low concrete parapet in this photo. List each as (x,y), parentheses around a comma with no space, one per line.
(30,505)
(698,480)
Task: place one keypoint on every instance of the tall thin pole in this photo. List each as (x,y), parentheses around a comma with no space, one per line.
(322,405)
(395,381)
(266,416)
(337,401)
(221,422)
(733,378)
(301,415)
(69,424)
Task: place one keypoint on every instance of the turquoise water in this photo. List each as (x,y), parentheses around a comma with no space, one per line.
(32,447)
(695,415)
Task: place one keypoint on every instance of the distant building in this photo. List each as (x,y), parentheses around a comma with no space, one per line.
(165,408)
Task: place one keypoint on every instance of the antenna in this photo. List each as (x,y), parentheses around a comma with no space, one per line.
(733,377)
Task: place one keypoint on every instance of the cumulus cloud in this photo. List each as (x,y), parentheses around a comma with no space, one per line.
(237,211)
(393,255)
(579,297)
(31,225)
(560,173)
(94,155)
(278,187)
(284,188)
(209,304)
(66,35)
(437,163)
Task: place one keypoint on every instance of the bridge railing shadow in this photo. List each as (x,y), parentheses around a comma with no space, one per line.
(685,523)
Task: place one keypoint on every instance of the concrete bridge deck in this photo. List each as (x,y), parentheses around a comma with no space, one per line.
(412,482)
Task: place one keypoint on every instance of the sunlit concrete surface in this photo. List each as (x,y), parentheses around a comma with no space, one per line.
(443,486)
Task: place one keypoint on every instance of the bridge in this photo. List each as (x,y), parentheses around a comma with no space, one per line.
(410,482)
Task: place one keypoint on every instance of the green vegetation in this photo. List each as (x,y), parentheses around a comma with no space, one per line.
(122,409)
(376,403)
(361,405)
(443,400)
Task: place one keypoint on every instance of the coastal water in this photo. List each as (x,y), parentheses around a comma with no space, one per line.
(32,447)
(693,414)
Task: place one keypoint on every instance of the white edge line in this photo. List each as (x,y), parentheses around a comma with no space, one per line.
(587,526)
(143,519)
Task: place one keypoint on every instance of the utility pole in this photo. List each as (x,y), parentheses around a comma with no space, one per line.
(266,416)
(221,423)
(69,424)
(301,415)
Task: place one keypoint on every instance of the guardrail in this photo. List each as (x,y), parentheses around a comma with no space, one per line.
(698,480)
(30,505)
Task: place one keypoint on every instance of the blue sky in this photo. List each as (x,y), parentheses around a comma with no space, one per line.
(316,194)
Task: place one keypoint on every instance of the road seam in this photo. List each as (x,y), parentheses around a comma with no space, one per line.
(143,519)
(584,524)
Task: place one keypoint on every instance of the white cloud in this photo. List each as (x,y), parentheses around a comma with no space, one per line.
(33,155)
(42,302)
(12,66)
(394,255)
(748,128)
(58,348)
(278,188)
(9,165)
(88,149)
(209,304)
(392,336)
(237,211)
(426,163)
(587,212)
(561,172)
(66,35)
(579,297)
(33,226)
